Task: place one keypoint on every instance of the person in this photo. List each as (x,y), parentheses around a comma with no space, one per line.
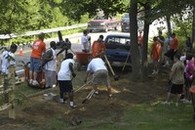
(166,44)
(50,68)
(188,44)
(173,47)
(65,75)
(176,79)
(161,39)
(8,58)
(97,69)
(155,54)
(189,77)
(98,47)
(38,48)
(85,42)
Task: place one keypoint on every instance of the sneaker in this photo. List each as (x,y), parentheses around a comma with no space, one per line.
(183,100)
(61,100)
(153,72)
(96,92)
(35,83)
(110,95)
(186,101)
(30,81)
(165,102)
(73,106)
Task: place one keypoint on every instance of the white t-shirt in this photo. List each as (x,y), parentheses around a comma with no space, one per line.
(85,42)
(6,61)
(96,64)
(51,65)
(65,73)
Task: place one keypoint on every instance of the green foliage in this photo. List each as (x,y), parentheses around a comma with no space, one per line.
(73,10)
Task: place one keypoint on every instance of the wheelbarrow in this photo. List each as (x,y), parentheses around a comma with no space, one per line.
(192,91)
(82,59)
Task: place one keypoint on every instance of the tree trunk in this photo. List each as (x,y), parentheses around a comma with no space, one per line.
(193,27)
(168,25)
(145,42)
(135,57)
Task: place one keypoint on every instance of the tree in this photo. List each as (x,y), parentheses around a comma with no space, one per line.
(74,9)
(135,58)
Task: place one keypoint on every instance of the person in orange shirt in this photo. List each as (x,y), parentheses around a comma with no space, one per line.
(98,47)
(155,54)
(38,48)
(174,44)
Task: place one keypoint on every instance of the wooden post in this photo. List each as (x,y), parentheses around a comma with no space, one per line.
(11,99)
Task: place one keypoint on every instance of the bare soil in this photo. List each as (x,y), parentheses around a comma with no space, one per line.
(38,110)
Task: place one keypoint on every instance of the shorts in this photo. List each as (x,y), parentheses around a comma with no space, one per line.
(170,53)
(65,86)
(188,82)
(35,64)
(101,77)
(176,89)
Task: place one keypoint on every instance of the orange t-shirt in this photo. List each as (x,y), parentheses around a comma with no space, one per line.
(98,48)
(174,44)
(38,48)
(156,49)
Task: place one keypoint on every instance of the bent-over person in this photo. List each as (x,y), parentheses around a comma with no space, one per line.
(97,69)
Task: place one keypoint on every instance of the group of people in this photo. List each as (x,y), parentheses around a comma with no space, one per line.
(96,69)
(163,51)
(182,67)
(181,78)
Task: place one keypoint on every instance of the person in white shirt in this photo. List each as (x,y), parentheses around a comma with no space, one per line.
(65,75)
(85,42)
(50,68)
(7,59)
(97,69)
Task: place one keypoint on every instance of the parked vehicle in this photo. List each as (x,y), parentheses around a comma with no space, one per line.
(100,23)
(125,27)
(118,47)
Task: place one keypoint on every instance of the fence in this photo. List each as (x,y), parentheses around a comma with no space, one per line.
(7,92)
(32,33)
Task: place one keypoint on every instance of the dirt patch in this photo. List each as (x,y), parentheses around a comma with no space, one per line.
(38,110)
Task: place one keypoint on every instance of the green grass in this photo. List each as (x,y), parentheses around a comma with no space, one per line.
(159,117)
(138,117)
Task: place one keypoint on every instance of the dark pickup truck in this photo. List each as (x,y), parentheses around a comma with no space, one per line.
(118,47)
